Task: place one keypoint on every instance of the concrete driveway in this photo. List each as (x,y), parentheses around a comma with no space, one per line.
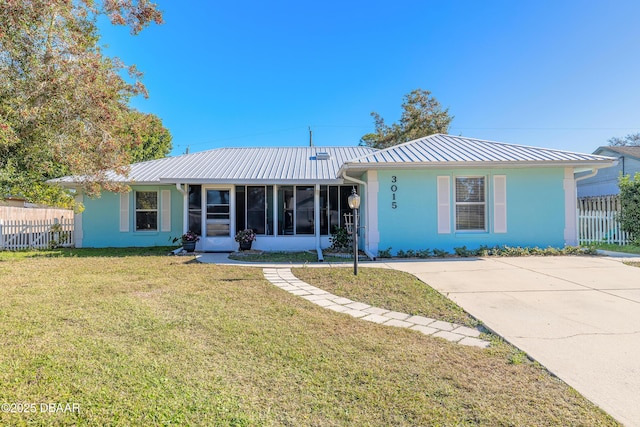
(578,316)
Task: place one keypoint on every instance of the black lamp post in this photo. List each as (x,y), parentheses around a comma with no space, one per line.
(354,203)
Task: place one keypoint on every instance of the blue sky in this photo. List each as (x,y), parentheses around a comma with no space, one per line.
(559,74)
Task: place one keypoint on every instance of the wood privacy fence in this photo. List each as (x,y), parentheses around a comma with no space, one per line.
(36,234)
(33,213)
(598,221)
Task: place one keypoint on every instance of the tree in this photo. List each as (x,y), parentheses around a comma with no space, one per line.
(151,139)
(63,104)
(422,115)
(631,140)
(630,205)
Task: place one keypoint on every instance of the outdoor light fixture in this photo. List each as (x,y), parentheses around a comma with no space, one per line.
(354,203)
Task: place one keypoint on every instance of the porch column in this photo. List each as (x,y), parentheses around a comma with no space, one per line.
(77,222)
(316,214)
(570,208)
(275,210)
(371,205)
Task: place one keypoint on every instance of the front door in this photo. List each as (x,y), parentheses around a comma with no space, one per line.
(217,225)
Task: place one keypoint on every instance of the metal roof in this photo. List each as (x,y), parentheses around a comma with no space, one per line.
(325,165)
(243,165)
(449,150)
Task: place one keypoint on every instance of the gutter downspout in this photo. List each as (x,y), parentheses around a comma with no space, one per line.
(185,212)
(366,219)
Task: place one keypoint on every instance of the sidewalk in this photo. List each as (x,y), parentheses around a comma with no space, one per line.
(285,280)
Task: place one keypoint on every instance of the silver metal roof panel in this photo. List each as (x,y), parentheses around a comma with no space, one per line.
(449,149)
(238,165)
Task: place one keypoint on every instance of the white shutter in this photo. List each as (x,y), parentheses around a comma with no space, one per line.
(499,204)
(124,212)
(165,211)
(444,205)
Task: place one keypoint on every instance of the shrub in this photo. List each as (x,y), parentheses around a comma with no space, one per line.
(340,239)
(423,253)
(440,253)
(463,252)
(630,205)
(384,253)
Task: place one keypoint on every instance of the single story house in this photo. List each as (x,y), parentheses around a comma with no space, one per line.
(605,183)
(441,191)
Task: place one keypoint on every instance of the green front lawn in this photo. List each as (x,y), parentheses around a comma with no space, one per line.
(283,256)
(158,340)
(629,249)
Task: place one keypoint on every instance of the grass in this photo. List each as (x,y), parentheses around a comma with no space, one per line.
(630,249)
(156,340)
(296,257)
(86,252)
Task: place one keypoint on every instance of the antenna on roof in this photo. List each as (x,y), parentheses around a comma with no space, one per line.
(187,150)
(310,137)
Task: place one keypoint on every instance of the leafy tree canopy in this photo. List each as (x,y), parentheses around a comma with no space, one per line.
(63,104)
(631,140)
(422,115)
(151,139)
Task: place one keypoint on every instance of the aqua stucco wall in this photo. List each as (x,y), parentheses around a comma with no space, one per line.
(535,209)
(101,221)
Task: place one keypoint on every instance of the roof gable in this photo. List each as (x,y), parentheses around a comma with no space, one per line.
(449,150)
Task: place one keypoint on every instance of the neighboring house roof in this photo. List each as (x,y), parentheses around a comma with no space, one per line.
(242,166)
(625,151)
(449,150)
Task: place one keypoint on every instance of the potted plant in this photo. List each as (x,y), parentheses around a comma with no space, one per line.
(189,240)
(245,238)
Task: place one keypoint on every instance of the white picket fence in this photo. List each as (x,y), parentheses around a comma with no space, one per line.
(36,234)
(598,221)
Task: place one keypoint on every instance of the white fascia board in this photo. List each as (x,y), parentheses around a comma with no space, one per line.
(249,181)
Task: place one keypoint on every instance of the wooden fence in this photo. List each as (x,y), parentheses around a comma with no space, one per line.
(33,213)
(598,221)
(36,234)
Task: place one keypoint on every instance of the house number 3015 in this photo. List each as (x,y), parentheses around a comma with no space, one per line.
(394,189)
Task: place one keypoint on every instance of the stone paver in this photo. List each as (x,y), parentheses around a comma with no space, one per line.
(399,323)
(376,310)
(375,318)
(421,320)
(474,342)
(355,313)
(425,329)
(285,280)
(358,306)
(449,336)
(396,315)
(445,326)
(470,332)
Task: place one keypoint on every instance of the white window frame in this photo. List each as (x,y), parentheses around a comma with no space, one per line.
(136,210)
(456,203)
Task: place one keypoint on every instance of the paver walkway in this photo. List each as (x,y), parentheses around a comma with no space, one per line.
(284,279)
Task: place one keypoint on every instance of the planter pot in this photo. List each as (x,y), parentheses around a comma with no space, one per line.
(245,246)
(189,246)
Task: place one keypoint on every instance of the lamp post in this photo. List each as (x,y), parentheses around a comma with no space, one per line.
(354,203)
